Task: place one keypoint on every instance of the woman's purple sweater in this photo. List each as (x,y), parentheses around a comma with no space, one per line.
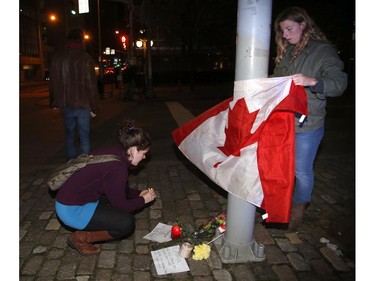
(109,178)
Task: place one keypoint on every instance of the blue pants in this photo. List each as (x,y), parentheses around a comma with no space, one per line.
(307,144)
(77,118)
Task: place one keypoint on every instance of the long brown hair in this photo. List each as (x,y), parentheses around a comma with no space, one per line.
(129,135)
(311,31)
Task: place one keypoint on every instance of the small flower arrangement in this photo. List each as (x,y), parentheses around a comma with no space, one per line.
(197,236)
(208,230)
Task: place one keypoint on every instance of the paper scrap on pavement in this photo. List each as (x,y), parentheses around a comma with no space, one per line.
(168,260)
(161,233)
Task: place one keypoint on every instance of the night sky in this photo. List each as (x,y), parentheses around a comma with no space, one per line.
(335,17)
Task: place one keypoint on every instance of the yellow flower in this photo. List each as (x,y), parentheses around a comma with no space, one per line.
(201,252)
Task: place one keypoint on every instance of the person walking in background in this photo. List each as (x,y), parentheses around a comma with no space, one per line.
(100,85)
(304,52)
(140,82)
(73,89)
(97,201)
(129,82)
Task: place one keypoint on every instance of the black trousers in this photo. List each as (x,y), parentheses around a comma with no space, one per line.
(118,223)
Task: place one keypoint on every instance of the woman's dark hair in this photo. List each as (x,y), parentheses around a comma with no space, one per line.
(129,135)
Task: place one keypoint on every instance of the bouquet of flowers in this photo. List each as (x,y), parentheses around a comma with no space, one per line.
(206,231)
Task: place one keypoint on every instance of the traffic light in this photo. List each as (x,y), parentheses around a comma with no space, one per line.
(73,7)
(124,41)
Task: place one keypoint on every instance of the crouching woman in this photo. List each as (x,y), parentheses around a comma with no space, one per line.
(97,201)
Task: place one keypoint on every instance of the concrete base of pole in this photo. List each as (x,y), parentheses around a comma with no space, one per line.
(237,245)
(233,253)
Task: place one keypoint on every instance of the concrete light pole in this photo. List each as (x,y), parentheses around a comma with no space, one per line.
(131,32)
(252,55)
(147,25)
(100,44)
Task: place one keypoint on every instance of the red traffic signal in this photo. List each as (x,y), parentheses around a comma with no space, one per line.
(124,41)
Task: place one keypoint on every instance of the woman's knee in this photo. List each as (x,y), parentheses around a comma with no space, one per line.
(124,229)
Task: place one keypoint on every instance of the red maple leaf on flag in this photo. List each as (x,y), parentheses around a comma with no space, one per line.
(238,133)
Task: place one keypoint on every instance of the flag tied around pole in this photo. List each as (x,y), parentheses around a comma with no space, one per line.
(245,144)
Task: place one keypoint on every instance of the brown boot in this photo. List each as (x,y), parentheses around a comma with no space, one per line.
(296,215)
(81,241)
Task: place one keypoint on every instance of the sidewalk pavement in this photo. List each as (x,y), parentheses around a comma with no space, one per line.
(322,249)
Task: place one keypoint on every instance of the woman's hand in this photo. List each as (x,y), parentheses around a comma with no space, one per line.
(302,80)
(148,194)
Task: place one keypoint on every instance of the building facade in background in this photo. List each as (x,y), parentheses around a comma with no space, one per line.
(188,40)
(43,26)
(187,37)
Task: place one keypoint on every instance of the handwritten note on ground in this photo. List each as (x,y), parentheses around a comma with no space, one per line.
(161,233)
(168,260)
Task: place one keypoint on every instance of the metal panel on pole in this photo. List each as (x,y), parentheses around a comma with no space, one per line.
(252,55)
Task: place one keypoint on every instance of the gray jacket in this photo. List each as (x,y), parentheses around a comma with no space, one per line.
(319,60)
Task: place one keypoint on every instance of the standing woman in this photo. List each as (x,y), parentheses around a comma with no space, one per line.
(305,54)
(97,202)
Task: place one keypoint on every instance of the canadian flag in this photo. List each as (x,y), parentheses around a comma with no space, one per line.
(245,144)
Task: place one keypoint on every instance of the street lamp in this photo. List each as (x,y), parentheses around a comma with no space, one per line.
(142,43)
(52,18)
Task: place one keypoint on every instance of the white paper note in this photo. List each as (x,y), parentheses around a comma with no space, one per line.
(161,233)
(168,260)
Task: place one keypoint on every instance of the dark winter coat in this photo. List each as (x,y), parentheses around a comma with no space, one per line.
(73,81)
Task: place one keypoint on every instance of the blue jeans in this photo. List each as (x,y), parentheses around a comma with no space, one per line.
(77,118)
(307,144)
